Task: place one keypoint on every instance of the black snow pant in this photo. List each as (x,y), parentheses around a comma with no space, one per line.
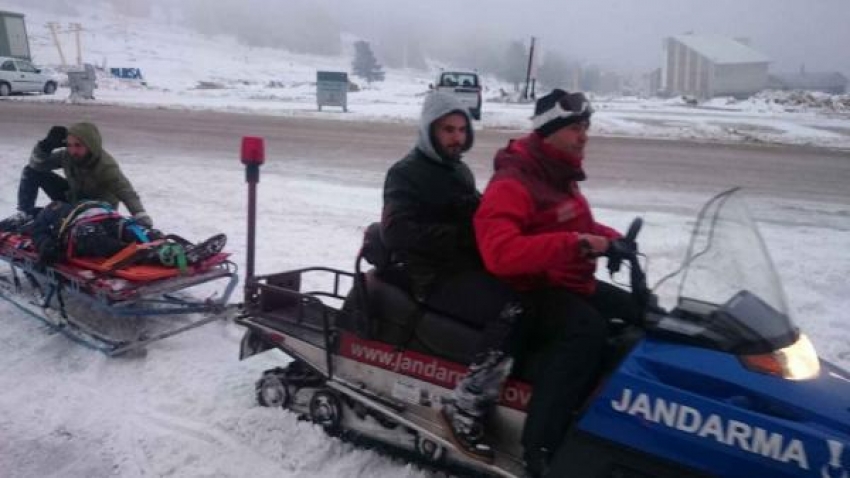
(32,180)
(484,302)
(570,331)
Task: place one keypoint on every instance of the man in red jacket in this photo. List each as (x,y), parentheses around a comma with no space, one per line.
(535,230)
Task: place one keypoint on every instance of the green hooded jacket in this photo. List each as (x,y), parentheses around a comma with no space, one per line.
(96,177)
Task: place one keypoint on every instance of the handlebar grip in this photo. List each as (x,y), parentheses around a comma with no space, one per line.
(634,229)
(624,247)
(614,264)
(615,256)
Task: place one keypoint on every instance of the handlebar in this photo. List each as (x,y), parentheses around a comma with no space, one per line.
(626,249)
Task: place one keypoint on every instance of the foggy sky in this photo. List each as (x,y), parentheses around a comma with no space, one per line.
(622,34)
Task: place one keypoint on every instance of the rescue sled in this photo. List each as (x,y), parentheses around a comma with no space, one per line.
(110,307)
(722,385)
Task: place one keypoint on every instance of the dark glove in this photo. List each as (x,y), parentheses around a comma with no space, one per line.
(54,139)
(155,234)
(622,247)
(143,219)
(619,250)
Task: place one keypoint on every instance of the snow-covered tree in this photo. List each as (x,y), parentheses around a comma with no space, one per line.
(365,65)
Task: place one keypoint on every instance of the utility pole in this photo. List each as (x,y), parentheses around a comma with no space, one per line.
(76,28)
(528,70)
(52,26)
(404,55)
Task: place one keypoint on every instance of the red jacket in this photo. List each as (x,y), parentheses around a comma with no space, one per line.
(530,218)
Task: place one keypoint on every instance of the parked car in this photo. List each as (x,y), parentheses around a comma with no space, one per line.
(465,86)
(21,76)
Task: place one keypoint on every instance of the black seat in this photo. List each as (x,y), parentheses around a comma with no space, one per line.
(391,315)
(380,307)
(394,317)
(404,322)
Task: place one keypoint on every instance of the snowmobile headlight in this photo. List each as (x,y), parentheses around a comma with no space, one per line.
(798,361)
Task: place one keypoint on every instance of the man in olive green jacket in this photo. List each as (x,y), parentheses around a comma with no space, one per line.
(90,173)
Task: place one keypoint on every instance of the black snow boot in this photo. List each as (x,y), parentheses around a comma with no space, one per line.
(473,397)
(537,462)
(200,252)
(467,433)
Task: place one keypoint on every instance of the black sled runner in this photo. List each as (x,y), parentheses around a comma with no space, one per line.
(117,305)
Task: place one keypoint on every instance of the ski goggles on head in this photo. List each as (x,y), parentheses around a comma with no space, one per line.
(570,108)
(575,104)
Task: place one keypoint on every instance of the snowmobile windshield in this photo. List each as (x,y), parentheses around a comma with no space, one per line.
(729,284)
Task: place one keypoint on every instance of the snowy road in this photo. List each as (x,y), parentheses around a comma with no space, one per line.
(360,152)
(187,408)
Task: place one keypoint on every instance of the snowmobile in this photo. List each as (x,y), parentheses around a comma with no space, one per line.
(116,305)
(723,384)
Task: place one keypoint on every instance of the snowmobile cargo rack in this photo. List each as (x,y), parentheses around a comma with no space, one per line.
(98,309)
(280,304)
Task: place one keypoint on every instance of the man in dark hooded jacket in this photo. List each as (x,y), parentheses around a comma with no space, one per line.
(90,173)
(429,200)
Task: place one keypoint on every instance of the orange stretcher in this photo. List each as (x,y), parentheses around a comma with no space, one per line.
(13,244)
(141,272)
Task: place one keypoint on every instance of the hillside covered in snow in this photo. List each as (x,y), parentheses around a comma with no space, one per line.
(182,68)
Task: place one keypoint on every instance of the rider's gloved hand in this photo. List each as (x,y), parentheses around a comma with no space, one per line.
(619,250)
(143,219)
(593,246)
(622,247)
(55,139)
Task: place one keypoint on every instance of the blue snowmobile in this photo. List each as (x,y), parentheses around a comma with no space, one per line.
(721,385)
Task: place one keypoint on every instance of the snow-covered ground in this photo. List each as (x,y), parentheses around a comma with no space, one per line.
(187,408)
(183,69)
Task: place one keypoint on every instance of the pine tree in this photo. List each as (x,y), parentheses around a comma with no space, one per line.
(365,65)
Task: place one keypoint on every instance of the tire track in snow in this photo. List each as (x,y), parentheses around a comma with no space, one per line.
(203,433)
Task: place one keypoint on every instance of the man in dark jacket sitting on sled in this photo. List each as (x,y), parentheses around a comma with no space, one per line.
(429,200)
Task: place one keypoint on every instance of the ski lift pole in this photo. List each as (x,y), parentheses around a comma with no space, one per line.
(253,155)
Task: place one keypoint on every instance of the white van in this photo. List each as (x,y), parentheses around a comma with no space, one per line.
(463,85)
(21,76)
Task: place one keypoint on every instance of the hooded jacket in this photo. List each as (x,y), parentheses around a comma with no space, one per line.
(429,200)
(530,218)
(96,177)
